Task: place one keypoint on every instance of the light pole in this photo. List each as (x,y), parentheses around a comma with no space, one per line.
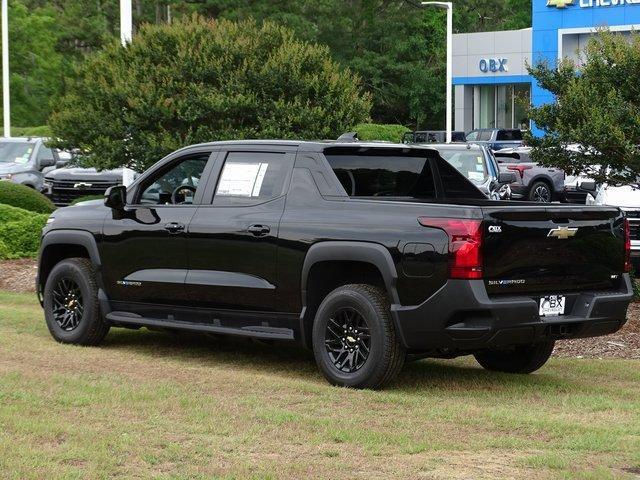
(449,7)
(126,24)
(6,102)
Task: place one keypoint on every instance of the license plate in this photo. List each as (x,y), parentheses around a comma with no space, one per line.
(552,305)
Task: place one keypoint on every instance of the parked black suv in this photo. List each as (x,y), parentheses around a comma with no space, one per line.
(366,253)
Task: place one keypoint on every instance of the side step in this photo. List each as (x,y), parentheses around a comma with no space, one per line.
(258,331)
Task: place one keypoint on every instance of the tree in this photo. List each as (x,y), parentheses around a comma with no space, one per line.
(198,81)
(35,66)
(597,107)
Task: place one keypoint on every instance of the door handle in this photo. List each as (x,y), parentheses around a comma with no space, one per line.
(259,230)
(174,227)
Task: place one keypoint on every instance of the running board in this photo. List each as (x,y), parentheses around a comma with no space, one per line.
(271,333)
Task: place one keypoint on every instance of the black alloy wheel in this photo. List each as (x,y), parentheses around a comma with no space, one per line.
(540,192)
(354,339)
(71,305)
(68,306)
(347,340)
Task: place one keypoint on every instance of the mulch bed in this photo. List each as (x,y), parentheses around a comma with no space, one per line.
(20,275)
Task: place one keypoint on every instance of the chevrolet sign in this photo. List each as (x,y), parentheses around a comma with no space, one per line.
(82,185)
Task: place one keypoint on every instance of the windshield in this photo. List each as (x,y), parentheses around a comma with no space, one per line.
(16,152)
(470,163)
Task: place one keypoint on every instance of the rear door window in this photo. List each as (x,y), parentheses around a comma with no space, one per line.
(250,178)
(381,173)
(509,135)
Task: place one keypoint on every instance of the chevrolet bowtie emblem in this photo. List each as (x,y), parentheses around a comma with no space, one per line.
(559,3)
(82,185)
(562,233)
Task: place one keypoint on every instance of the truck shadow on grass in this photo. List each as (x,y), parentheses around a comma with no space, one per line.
(293,361)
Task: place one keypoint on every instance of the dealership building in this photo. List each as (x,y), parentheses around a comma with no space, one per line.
(489,68)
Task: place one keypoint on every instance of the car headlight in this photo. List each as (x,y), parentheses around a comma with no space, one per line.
(50,220)
(6,176)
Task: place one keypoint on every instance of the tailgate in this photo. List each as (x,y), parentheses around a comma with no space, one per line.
(552,249)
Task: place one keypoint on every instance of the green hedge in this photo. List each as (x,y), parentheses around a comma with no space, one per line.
(13,214)
(381,132)
(21,238)
(24,197)
(86,198)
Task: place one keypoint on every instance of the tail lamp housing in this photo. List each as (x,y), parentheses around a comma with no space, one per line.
(627,246)
(520,169)
(465,245)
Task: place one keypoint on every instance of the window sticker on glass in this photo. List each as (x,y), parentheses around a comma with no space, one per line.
(21,160)
(242,179)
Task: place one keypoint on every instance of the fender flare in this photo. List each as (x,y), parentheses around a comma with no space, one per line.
(72,237)
(365,252)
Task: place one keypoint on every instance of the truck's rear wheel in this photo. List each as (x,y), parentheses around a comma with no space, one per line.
(519,359)
(354,339)
(540,192)
(71,306)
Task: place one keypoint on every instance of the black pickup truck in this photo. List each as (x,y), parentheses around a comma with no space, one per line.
(367,253)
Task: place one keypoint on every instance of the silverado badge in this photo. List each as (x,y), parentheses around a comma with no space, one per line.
(562,233)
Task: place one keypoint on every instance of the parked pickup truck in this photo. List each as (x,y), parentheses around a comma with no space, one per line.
(366,253)
(65,185)
(496,139)
(27,160)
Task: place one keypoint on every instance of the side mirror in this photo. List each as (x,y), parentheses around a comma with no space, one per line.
(61,163)
(507,177)
(116,197)
(587,186)
(46,162)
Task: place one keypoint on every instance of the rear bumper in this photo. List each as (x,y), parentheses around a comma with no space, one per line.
(461,317)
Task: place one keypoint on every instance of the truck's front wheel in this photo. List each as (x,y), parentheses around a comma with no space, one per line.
(519,359)
(71,306)
(354,339)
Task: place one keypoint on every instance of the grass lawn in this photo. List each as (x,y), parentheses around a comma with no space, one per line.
(160,405)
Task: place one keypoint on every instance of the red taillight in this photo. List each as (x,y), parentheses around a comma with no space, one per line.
(627,246)
(519,168)
(465,244)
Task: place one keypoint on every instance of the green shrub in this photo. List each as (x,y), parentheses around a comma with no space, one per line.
(13,214)
(24,197)
(21,238)
(4,251)
(87,198)
(198,80)
(380,132)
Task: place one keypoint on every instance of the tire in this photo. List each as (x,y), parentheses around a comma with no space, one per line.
(368,308)
(540,192)
(520,359)
(86,326)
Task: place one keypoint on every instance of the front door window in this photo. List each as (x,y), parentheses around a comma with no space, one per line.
(175,185)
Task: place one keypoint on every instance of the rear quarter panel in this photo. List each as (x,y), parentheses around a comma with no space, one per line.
(310,218)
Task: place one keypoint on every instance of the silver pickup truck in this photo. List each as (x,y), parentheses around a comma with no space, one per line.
(27,160)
